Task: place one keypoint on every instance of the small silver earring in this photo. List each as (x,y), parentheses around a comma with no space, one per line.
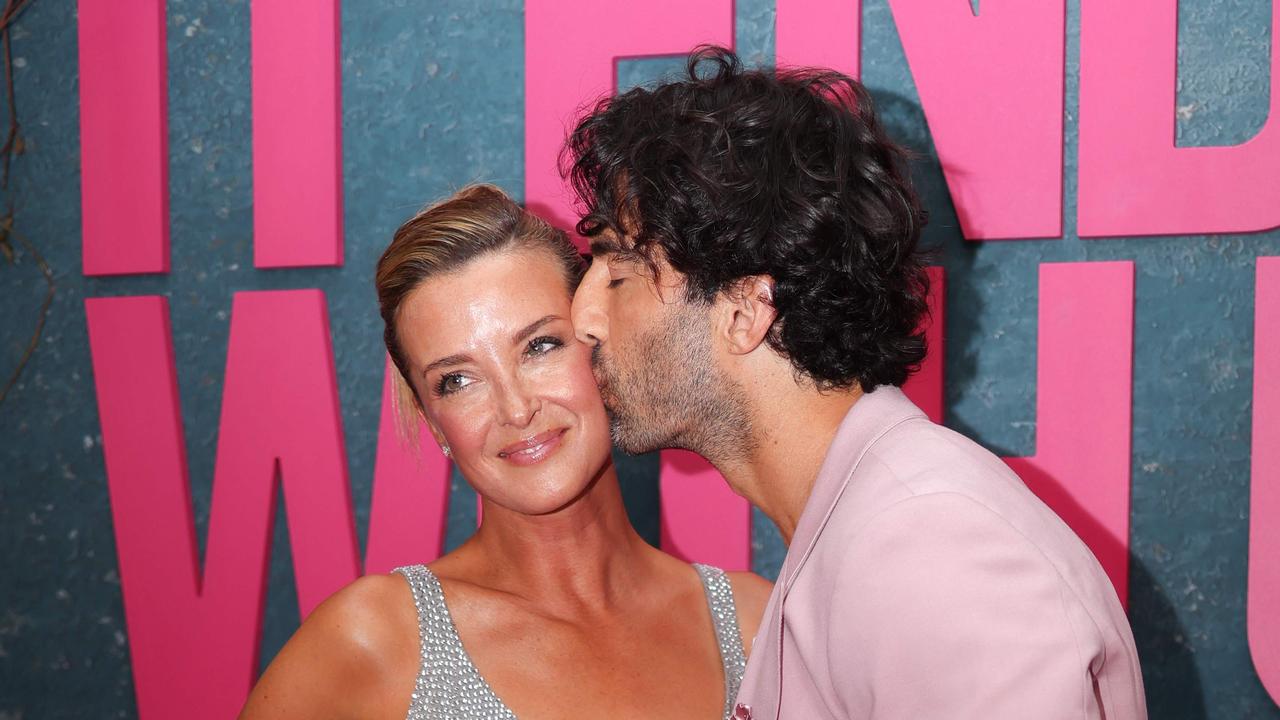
(447,452)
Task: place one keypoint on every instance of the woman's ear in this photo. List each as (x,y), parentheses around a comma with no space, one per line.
(435,432)
(411,412)
(421,415)
(746,313)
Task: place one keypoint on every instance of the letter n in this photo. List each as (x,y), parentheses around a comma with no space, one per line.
(571,50)
(991,85)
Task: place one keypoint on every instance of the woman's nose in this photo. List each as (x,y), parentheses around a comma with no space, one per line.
(517,404)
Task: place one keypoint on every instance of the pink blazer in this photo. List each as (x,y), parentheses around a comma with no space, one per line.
(926,581)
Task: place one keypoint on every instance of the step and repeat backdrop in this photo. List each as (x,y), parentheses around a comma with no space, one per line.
(199,446)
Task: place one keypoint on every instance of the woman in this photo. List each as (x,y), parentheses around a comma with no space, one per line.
(555,608)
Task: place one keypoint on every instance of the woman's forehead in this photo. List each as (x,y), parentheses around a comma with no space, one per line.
(489,297)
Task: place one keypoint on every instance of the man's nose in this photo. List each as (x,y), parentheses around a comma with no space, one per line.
(589,319)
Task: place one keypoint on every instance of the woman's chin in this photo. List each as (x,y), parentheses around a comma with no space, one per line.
(549,498)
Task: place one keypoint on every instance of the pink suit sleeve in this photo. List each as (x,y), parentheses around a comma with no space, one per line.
(943,609)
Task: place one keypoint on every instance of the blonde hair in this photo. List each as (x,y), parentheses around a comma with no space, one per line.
(477,220)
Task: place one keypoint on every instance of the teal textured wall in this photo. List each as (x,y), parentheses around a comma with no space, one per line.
(432,99)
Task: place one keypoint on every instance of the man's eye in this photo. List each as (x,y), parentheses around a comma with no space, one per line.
(543,345)
(615,282)
(451,383)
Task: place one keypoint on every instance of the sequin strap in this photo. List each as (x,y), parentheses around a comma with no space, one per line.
(448,685)
(724,617)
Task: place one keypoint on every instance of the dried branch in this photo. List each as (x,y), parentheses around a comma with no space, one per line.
(6,227)
(13,141)
(13,145)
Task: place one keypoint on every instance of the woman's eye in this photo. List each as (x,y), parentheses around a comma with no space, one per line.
(451,383)
(543,345)
(615,282)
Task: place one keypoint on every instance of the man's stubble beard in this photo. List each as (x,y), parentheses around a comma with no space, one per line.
(672,394)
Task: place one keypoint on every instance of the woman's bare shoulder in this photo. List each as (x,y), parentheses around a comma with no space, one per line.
(750,595)
(358,650)
(375,614)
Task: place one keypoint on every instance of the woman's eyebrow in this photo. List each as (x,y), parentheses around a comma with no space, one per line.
(448,361)
(462,358)
(532,328)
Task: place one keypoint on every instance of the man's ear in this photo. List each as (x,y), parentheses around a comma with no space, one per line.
(746,314)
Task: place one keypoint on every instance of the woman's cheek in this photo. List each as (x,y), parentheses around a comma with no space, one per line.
(463,422)
(581,378)
(569,382)
(583,399)
(586,394)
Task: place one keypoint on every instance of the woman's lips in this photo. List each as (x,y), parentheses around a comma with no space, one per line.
(533,450)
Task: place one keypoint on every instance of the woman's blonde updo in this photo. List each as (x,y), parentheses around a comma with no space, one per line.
(477,220)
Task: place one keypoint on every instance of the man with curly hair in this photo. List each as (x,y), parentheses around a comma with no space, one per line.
(756,296)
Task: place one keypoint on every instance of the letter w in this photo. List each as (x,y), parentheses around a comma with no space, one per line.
(194,641)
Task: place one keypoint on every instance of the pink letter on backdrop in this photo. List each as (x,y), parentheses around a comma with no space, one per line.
(199,639)
(570,50)
(1264,500)
(702,519)
(925,387)
(124,157)
(410,493)
(992,90)
(1081,465)
(297,134)
(1133,180)
(820,33)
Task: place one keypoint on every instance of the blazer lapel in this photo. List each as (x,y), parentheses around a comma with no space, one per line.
(869,418)
(764,669)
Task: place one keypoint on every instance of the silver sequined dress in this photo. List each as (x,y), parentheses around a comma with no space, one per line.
(450,688)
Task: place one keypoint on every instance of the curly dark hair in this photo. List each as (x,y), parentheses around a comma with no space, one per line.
(734,173)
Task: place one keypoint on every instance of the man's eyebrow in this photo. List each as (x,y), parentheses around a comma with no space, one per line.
(532,328)
(614,250)
(458,359)
(605,247)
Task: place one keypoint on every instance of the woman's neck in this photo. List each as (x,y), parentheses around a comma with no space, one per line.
(585,556)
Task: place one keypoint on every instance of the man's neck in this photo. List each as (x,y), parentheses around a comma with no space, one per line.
(792,429)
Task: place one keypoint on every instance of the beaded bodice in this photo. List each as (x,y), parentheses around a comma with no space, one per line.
(449,687)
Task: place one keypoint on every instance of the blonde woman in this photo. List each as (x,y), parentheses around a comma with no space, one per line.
(555,608)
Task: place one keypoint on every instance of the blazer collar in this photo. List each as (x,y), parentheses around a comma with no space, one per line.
(870,417)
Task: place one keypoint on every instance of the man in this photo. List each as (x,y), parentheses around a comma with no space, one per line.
(756,296)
